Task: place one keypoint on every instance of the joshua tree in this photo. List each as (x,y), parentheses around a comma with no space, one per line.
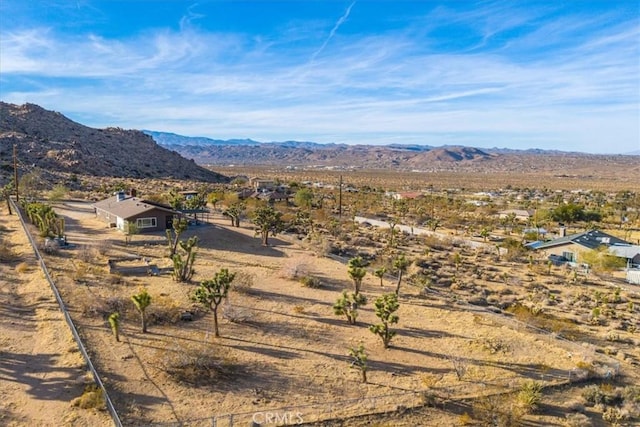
(348,305)
(357,271)
(114,322)
(304,198)
(386,305)
(142,301)
(234,212)
(183,264)
(173,236)
(268,221)
(379,273)
(211,292)
(400,264)
(359,360)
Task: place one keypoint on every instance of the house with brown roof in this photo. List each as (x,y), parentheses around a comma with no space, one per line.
(119,209)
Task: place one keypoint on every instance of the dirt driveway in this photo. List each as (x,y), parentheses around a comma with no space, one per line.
(41,369)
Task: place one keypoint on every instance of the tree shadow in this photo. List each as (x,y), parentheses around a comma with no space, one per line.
(221,238)
(45,380)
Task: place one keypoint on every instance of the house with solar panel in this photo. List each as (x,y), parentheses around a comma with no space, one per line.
(568,249)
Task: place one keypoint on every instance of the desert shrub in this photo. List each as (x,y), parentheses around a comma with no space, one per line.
(497,410)
(294,270)
(614,415)
(23,267)
(310,282)
(6,253)
(236,314)
(465,419)
(460,365)
(164,311)
(577,420)
(91,398)
(494,345)
(631,394)
(529,396)
(88,254)
(298,309)
(121,305)
(198,365)
(102,247)
(115,279)
(243,283)
(603,394)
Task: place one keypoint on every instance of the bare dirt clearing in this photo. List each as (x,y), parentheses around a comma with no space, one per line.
(286,349)
(41,370)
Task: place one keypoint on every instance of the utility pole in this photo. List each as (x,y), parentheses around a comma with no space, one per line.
(15,171)
(340,199)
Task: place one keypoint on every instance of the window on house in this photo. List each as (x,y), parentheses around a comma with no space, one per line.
(569,256)
(146,222)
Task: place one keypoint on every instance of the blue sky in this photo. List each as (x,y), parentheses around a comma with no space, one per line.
(518,74)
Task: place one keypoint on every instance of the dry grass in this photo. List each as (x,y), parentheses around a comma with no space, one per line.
(92,398)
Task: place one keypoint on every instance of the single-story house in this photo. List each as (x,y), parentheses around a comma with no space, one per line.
(148,216)
(408,195)
(570,247)
(521,215)
(263,184)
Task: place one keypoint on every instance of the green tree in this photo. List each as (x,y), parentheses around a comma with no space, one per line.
(58,193)
(215,198)
(484,233)
(568,213)
(142,300)
(359,360)
(130,230)
(6,192)
(183,262)
(357,271)
(212,292)
(400,264)
(601,261)
(268,222)
(385,307)
(235,212)
(303,198)
(348,304)
(176,200)
(379,273)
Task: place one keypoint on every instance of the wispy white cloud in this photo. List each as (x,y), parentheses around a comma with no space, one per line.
(335,28)
(559,82)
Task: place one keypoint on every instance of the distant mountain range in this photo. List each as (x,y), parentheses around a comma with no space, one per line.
(396,156)
(53,143)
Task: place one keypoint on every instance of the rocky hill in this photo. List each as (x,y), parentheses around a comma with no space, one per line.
(52,142)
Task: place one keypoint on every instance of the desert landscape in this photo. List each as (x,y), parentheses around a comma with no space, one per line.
(312,294)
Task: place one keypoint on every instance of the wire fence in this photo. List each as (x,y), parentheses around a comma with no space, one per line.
(74,331)
(318,413)
(312,413)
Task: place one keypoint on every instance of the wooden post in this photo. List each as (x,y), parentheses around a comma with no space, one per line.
(15,171)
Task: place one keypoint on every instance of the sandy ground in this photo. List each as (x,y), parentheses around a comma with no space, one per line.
(41,369)
(289,356)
